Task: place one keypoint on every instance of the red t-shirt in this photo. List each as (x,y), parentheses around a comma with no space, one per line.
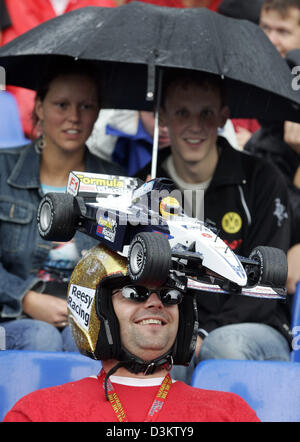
(84,401)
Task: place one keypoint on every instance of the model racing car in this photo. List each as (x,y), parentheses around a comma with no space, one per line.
(146,223)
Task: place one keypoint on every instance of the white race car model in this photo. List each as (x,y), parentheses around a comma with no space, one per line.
(145,222)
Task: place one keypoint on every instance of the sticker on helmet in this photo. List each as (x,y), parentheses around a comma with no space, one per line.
(231,222)
(80,301)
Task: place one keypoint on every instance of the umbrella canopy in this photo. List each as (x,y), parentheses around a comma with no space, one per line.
(133,41)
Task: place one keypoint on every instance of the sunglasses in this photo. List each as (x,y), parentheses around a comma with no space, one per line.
(138,293)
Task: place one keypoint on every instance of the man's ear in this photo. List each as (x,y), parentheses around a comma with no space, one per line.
(224,115)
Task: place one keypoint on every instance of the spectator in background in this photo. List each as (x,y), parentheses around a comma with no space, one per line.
(34,273)
(269,143)
(26,14)
(126,137)
(280,143)
(280,20)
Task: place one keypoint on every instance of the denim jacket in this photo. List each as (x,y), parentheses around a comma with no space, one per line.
(22,250)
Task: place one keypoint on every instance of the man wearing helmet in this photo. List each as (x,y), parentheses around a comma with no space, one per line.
(137,332)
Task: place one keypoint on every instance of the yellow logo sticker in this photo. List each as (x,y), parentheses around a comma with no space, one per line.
(231,222)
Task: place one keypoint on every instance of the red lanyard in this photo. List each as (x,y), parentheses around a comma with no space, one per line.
(155,408)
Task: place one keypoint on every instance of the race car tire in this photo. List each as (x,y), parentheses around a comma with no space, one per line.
(56,217)
(273,266)
(149,259)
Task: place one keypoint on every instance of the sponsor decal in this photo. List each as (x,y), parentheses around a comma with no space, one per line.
(100,181)
(80,301)
(106,228)
(231,222)
(73,184)
(103,183)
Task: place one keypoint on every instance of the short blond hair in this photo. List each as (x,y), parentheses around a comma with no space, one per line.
(281,6)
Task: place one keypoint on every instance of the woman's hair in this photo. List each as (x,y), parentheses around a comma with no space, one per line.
(65,66)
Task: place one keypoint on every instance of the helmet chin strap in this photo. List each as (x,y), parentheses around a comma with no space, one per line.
(136,365)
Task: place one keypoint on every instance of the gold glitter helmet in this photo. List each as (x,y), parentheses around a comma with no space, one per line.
(94,324)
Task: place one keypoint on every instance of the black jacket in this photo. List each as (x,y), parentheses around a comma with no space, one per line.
(268,143)
(247,200)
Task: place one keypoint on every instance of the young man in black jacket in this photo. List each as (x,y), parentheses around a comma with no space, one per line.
(247,201)
(279,142)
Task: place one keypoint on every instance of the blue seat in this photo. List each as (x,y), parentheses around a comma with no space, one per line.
(271,388)
(22,372)
(295,326)
(11,131)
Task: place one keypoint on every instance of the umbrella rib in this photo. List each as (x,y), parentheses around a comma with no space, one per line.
(156,126)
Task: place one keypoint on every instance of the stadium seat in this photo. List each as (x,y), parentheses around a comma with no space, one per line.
(295,326)
(11,131)
(271,388)
(24,371)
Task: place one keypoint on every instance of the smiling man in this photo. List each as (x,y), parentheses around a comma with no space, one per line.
(138,333)
(245,198)
(280,20)
(151,328)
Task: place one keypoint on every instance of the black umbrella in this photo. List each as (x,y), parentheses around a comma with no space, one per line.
(245,9)
(132,41)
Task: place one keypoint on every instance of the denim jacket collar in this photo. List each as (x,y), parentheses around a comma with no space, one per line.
(25,173)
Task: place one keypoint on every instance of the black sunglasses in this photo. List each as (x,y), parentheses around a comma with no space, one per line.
(138,293)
